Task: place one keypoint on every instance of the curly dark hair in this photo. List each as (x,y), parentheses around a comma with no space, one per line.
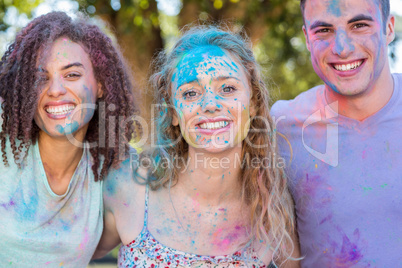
(20,88)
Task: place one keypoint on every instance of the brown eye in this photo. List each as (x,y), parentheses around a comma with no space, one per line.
(189,94)
(359,25)
(73,75)
(228,89)
(323,30)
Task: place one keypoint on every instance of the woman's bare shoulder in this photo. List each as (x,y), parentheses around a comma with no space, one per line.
(124,198)
(123,186)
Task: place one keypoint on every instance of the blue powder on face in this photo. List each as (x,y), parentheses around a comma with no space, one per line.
(68,129)
(89,99)
(187,68)
(342,41)
(332,86)
(334,8)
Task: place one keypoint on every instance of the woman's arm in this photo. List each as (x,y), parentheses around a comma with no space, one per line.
(119,193)
(110,237)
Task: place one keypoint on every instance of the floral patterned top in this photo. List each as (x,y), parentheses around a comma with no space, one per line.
(146,252)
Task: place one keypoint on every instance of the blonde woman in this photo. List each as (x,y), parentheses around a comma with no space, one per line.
(213,195)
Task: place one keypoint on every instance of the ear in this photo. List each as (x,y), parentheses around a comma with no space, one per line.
(175,120)
(100,91)
(253,112)
(252,108)
(390,29)
(306,37)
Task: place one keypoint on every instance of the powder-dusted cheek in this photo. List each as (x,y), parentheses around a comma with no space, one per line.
(188,130)
(82,114)
(319,46)
(89,100)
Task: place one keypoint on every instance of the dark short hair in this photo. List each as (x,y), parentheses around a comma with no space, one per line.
(385,9)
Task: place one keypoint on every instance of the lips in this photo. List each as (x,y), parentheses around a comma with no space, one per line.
(60,109)
(344,67)
(56,110)
(214,125)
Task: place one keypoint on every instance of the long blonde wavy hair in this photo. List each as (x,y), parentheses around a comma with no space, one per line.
(264,189)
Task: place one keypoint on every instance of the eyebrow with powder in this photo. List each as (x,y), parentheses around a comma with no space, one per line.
(360,17)
(318,23)
(77,64)
(220,78)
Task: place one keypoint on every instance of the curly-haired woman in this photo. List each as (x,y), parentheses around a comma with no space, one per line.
(216,194)
(63,85)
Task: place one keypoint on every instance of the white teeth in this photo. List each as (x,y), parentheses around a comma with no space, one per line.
(60,109)
(348,67)
(214,125)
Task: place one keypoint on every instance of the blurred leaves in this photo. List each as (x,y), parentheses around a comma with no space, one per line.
(137,28)
(22,6)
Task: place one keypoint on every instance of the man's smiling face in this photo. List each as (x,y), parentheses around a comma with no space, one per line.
(347,42)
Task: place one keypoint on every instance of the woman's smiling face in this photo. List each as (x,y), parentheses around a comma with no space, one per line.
(211,95)
(68,90)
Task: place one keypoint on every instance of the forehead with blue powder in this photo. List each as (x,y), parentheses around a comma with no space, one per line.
(334,7)
(337,7)
(194,63)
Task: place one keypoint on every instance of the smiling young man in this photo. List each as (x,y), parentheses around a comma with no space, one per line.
(343,140)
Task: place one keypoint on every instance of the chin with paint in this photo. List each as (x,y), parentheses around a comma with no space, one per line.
(211,193)
(60,80)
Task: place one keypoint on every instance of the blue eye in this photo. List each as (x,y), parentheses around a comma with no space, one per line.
(190,94)
(228,89)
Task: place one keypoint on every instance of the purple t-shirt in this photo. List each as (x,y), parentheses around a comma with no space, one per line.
(346,178)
